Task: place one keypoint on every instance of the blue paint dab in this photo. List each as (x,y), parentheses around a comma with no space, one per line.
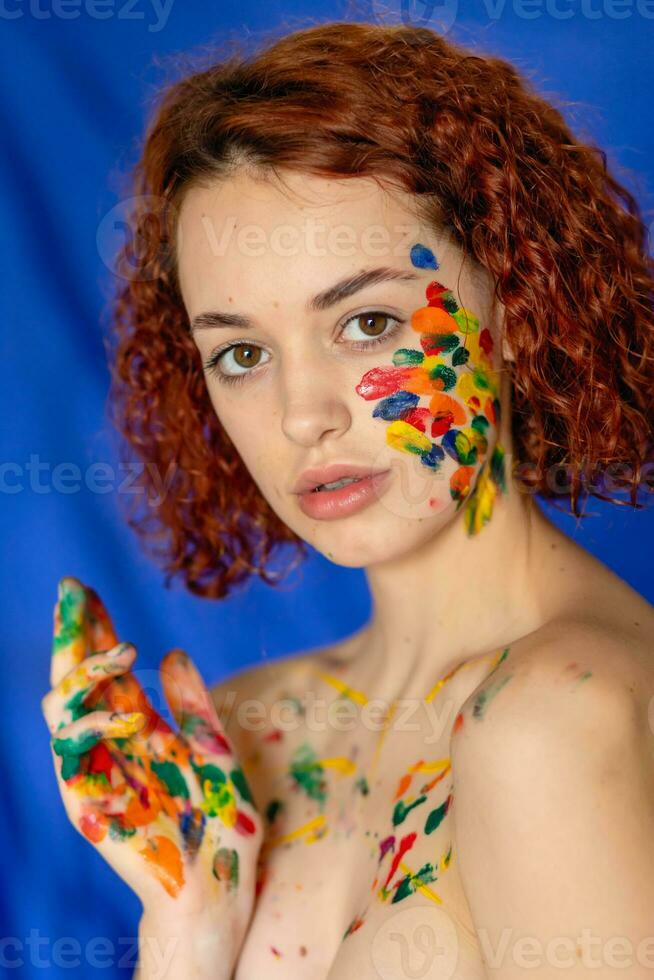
(449,444)
(434,457)
(423,257)
(192,824)
(396,406)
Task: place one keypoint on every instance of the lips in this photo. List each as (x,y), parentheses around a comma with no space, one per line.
(313,478)
(331,505)
(350,479)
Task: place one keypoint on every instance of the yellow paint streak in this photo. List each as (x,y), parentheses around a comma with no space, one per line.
(307,829)
(425,889)
(344,688)
(380,740)
(495,657)
(340,762)
(433,766)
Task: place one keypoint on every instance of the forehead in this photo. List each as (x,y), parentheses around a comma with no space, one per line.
(295,229)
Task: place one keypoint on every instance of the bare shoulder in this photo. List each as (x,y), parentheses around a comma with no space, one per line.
(258,685)
(555,756)
(571,674)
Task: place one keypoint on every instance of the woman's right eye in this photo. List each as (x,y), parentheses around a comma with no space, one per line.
(243,358)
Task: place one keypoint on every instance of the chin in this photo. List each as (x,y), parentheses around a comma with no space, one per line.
(356,543)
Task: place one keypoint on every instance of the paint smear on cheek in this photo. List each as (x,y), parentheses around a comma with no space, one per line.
(453,372)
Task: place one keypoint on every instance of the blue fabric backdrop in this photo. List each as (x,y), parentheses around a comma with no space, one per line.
(75,82)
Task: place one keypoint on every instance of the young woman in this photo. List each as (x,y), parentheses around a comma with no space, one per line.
(382,297)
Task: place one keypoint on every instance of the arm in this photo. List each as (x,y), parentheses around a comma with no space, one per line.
(194,952)
(554,817)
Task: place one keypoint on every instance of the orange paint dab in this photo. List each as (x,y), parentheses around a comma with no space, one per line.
(418,382)
(442,404)
(403,786)
(489,410)
(139,815)
(166,861)
(94,826)
(433,319)
(429,786)
(461,480)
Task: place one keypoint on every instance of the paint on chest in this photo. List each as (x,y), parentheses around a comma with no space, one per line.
(358,822)
(337,850)
(378,832)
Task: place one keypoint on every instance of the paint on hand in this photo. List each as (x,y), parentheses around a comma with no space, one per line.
(225,866)
(163,856)
(132,780)
(454,370)
(69,632)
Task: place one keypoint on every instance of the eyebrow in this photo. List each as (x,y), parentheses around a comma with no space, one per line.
(321,301)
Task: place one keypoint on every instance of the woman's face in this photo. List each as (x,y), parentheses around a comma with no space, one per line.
(397,372)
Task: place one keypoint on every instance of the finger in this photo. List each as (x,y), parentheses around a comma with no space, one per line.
(192,706)
(123,693)
(102,634)
(65,702)
(73,742)
(81,735)
(69,642)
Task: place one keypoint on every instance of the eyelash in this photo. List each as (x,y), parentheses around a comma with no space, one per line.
(211,364)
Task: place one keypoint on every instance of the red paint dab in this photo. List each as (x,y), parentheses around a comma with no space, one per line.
(274,736)
(243,823)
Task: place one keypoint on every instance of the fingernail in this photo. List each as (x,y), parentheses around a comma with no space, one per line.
(125,724)
(67,586)
(132,718)
(120,649)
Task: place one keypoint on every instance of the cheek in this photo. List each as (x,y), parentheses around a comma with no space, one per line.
(243,426)
(440,398)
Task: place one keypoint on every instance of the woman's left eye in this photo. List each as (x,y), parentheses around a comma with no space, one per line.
(370,317)
(375,321)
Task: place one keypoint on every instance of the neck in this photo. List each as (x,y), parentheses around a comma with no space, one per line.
(461,594)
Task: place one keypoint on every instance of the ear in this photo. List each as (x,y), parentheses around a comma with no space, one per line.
(498,315)
(507,353)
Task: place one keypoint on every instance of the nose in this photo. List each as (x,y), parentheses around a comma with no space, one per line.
(314,399)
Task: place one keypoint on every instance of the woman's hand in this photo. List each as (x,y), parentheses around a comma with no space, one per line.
(170,811)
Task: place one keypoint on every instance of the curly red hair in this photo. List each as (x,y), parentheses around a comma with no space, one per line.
(487,158)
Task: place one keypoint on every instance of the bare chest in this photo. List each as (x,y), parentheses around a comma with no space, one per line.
(358,874)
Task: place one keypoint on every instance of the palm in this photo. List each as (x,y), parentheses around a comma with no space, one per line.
(174,804)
